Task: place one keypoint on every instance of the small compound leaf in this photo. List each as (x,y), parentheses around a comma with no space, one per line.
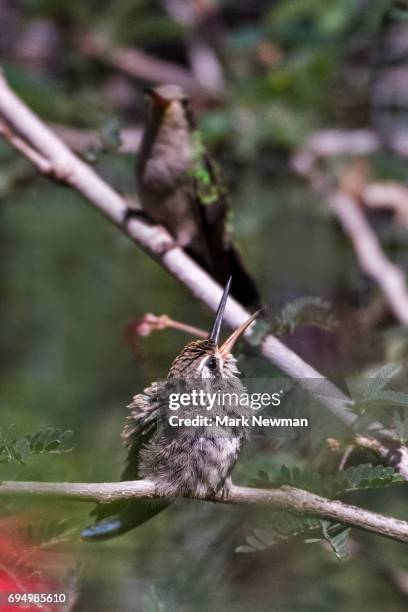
(380,379)
(305,311)
(400,425)
(18,449)
(259,332)
(338,537)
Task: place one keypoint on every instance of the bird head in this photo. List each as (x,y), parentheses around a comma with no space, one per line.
(206,358)
(171,103)
(164,95)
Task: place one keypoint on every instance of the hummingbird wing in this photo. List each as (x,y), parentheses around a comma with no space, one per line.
(210,197)
(118,517)
(140,426)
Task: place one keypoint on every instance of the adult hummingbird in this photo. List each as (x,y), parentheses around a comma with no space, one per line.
(181,188)
(182,461)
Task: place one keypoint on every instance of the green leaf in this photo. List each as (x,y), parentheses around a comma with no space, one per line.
(400,423)
(380,379)
(305,311)
(22,449)
(259,332)
(363,476)
(371,400)
(338,536)
(15,449)
(283,525)
(110,135)
(153,602)
(44,534)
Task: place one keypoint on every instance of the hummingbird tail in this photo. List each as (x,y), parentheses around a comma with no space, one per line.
(113,521)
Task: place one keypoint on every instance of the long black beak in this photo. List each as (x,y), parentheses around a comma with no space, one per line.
(216,328)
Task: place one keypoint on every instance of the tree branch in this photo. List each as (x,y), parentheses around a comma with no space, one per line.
(287,498)
(198,19)
(388,195)
(371,257)
(80,139)
(333,142)
(141,65)
(64,166)
(327,143)
(373,261)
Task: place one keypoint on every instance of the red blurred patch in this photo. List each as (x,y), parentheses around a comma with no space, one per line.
(27,567)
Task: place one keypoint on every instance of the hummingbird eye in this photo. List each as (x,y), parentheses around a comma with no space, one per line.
(212,364)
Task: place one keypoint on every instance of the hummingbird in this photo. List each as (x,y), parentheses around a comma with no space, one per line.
(181,188)
(186,461)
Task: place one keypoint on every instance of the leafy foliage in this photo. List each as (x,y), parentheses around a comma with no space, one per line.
(17,449)
(364,476)
(153,602)
(282,526)
(109,141)
(371,388)
(380,379)
(400,423)
(305,311)
(291,68)
(372,401)
(260,330)
(337,536)
(45,534)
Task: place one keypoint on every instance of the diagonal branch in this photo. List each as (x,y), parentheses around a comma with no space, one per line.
(344,204)
(82,139)
(293,500)
(373,261)
(141,65)
(65,167)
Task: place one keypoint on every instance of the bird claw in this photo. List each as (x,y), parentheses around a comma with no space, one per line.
(226,489)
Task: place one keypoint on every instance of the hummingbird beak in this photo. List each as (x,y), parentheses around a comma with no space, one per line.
(156,98)
(228,345)
(216,328)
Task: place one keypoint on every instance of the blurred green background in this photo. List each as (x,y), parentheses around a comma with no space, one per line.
(270,73)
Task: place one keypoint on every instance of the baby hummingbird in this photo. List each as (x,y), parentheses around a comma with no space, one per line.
(191,461)
(181,188)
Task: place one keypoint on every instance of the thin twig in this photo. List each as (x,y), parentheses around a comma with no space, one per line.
(155,240)
(197,18)
(141,65)
(288,498)
(388,195)
(81,140)
(346,456)
(166,322)
(40,162)
(334,142)
(327,143)
(151,322)
(373,261)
